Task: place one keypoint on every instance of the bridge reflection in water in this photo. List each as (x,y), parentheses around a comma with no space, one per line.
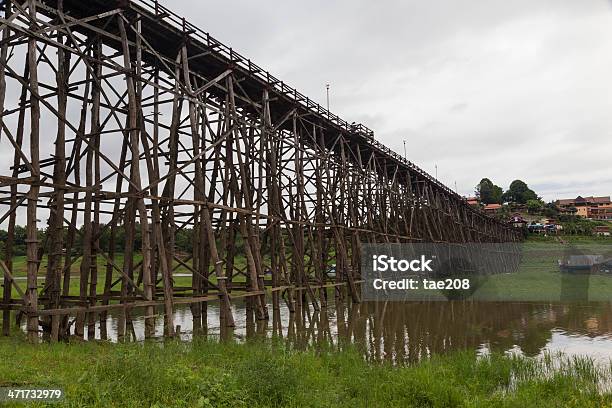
(407,332)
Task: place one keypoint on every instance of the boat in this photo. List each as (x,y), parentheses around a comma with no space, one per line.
(585,264)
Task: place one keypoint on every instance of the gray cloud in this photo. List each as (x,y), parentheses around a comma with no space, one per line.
(481,88)
(485,88)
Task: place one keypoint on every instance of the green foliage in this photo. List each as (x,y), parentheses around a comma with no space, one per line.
(270,377)
(504,212)
(19,240)
(270,374)
(550,210)
(568,218)
(575,225)
(519,193)
(534,206)
(579,226)
(183,239)
(488,193)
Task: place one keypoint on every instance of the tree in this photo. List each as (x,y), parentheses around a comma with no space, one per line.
(519,193)
(550,210)
(488,193)
(534,206)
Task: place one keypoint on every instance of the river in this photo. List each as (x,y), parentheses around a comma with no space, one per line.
(405,332)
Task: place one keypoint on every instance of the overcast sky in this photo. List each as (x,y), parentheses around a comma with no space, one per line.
(487,88)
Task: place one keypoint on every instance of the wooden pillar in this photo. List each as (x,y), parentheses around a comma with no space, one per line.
(56,222)
(31,300)
(134,109)
(8,245)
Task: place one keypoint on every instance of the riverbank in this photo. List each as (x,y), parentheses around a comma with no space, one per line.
(205,373)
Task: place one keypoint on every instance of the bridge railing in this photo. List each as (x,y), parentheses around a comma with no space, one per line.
(413,167)
(180,23)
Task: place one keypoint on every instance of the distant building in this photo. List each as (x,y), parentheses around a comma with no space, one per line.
(550,225)
(603,212)
(545,226)
(492,208)
(582,211)
(517,221)
(567,210)
(602,231)
(583,202)
(596,208)
(536,228)
(473,201)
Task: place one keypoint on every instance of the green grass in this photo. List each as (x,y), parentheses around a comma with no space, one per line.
(268,374)
(539,277)
(20,270)
(575,239)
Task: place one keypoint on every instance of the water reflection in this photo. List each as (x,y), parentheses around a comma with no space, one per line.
(406,332)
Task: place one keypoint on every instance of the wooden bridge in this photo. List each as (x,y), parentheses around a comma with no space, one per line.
(124,127)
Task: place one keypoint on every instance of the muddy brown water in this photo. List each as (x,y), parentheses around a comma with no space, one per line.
(405,332)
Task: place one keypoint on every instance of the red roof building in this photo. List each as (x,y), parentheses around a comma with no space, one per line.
(473,201)
(583,201)
(492,208)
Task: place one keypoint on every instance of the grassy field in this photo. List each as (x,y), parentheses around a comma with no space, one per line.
(539,278)
(209,374)
(20,268)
